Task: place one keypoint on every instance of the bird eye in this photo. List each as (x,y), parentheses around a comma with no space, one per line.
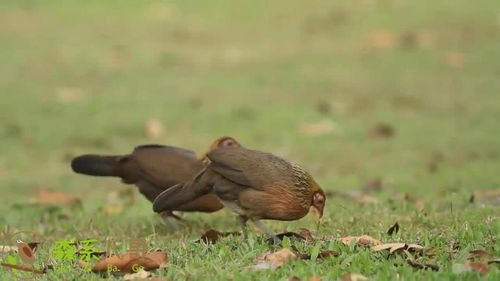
(228,143)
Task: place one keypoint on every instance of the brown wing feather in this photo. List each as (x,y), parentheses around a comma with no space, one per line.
(251,168)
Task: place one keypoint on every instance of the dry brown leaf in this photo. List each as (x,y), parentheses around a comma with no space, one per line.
(388,246)
(129,263)
(360,240)
(211,236)
(271,260)
(356,196)
(382,39)
(6,248)
(494,261)
(488,195)
(281,257)
(382,131)
(159,257)
(482,268)
(154,128)
(307,234)
(455,59)
(294,278)
(315,278)
(374,185)
(49,197)
(320,128)
(289,234)
(418,202)
(353,277)
(431,252)
(397,247)
(479,254)
(140,275)
(69,94)
(416,39)
(321,255)
(424,266)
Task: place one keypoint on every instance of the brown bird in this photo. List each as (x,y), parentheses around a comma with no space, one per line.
(153,169)
(254,184)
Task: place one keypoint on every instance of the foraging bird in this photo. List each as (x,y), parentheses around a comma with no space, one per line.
(256,185)
(153,169)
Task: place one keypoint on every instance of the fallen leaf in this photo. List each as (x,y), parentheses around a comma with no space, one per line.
(56,198)
(381,131)
(355,195)
(129,263)
(211,236)
(321,255)
(118,201)
(398,247)
(6,248)
(353,277)
(288,234)
(23,268)
(455,59)
(25,252)
(113,209)
(331,107)
(318,128)
(393,229)
(159,257)
(294,278)
(315,278)
(360,240)
(488,195)
(419,202)
(471,266)
(382,39)
(374,185)
(430,252)
(424,266)
(69,94)
(479,254)
(416,39)
(137,275)
(482,268)
(272,260)
(307,234)
(154,128)
(494,261)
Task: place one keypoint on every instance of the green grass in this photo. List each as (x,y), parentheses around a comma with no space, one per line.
(257,70)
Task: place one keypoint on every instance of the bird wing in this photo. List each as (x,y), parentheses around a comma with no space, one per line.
(181,193)
(248,167)
(166,165)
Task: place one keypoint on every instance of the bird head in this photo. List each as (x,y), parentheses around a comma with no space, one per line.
(225,142)
(318,201)
(222,142)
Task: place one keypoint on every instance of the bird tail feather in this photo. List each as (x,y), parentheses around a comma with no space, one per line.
(96,165)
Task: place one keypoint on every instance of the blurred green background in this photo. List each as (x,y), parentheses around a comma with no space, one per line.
(304,79)
(403,91)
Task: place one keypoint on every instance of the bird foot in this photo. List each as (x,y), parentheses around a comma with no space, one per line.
(171,220)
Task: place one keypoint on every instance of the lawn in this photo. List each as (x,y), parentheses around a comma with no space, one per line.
(402,92)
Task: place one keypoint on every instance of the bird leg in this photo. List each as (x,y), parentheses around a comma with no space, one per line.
(242,220)
(267,231)
(168,219)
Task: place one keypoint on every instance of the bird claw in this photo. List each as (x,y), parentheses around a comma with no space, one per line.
(171,220)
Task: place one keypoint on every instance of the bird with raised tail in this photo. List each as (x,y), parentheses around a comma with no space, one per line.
(254,184)
(153,169)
